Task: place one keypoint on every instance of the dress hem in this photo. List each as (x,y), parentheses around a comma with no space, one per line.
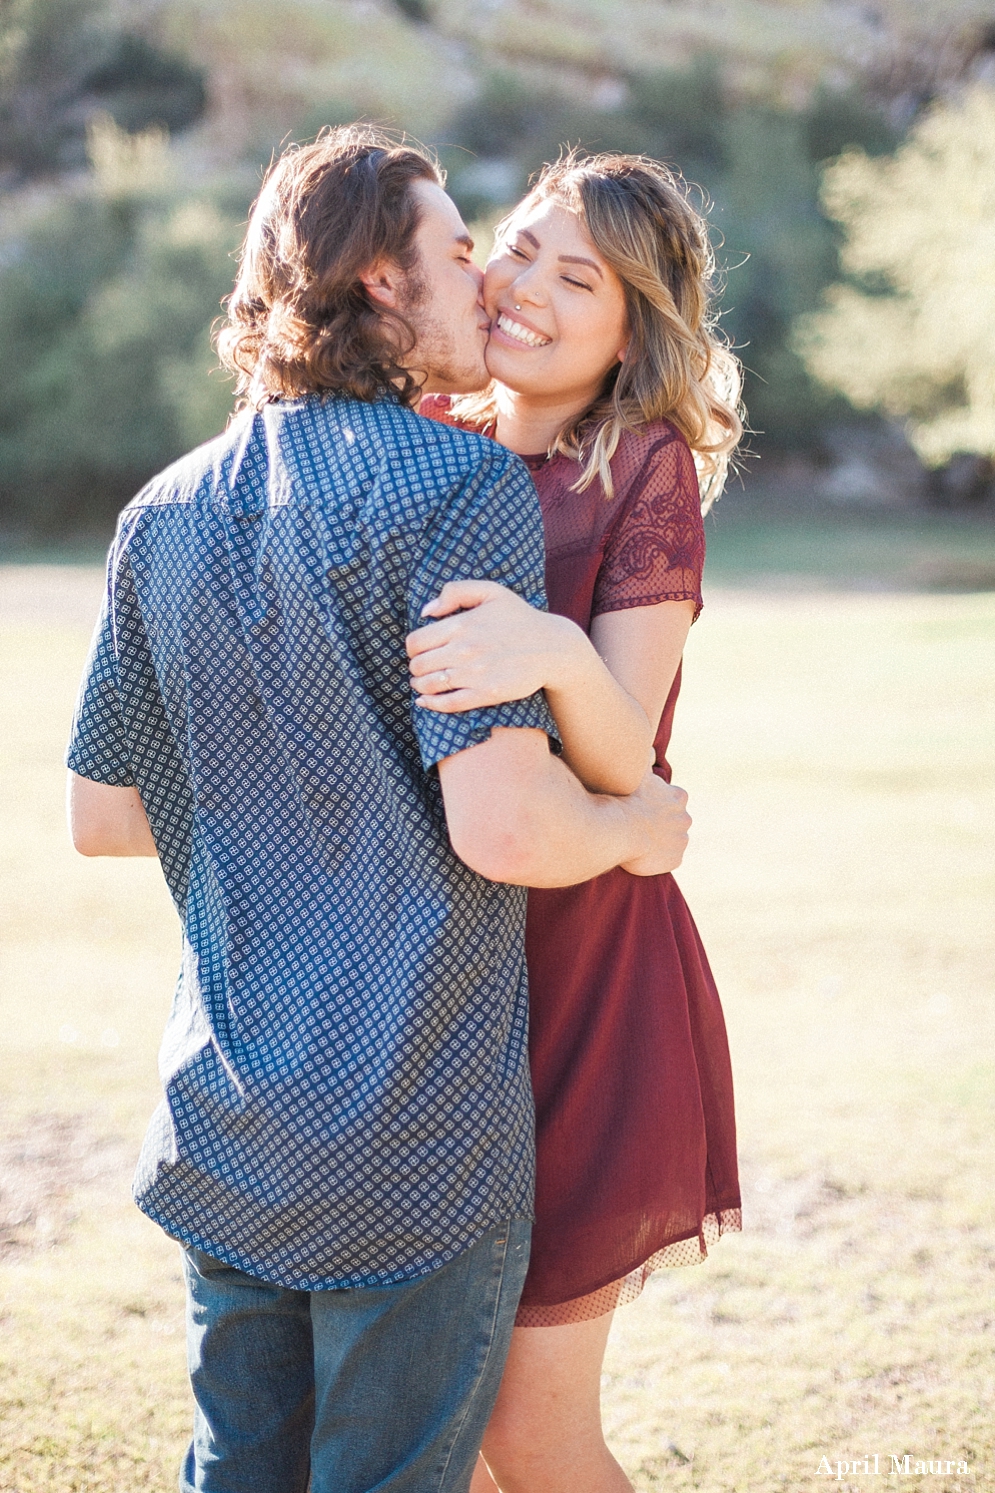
(690,1251)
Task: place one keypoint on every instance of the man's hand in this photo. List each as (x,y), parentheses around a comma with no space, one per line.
(104,820)
(669,821)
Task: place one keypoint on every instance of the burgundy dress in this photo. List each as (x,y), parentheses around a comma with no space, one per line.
(635,1130)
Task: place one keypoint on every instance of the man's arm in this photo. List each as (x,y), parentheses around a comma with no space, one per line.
(517,814)
(106,821)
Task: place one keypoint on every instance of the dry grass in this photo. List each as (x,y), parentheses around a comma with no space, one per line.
(839,753)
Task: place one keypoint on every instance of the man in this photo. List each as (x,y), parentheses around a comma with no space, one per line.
(344,1150)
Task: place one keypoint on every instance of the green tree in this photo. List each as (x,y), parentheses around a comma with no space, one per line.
(912,332)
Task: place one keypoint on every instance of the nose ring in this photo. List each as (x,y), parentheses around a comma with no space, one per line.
(518,308)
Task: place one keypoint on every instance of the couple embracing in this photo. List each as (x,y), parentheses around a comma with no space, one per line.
(326,692)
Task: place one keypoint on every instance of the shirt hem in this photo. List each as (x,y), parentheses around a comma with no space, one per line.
(111,777)
(190,1239)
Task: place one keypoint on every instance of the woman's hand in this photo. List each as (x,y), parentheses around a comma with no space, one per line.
(670,821)
(489,647)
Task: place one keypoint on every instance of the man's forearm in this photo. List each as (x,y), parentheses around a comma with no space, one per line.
(568,835)
(516,813)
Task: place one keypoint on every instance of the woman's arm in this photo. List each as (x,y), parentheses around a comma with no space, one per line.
(606,692)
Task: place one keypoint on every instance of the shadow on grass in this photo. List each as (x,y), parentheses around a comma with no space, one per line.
(771,543)
(782,544)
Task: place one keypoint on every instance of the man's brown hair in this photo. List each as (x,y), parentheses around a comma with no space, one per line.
(300,320)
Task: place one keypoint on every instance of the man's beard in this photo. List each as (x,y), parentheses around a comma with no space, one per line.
(435,359)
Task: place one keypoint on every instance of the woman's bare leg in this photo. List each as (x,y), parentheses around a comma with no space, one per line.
(545,1433)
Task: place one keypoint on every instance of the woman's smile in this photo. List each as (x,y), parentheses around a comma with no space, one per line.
(513,328)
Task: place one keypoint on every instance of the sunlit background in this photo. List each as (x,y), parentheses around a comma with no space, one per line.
(837,730)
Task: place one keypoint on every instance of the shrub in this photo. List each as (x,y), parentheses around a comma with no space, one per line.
(61,61)
(107,294)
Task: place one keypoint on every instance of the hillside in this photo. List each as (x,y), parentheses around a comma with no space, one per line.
(777,49)
(276,67)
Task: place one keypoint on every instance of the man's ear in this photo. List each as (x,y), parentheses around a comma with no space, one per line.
(382,283)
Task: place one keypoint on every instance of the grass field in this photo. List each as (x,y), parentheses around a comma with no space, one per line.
(839,749)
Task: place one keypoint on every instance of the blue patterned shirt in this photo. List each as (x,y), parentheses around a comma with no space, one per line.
(347,1098)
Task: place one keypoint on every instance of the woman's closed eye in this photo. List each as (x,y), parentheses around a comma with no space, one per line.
(571,280)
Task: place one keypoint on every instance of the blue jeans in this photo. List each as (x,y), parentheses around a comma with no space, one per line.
(385,1388)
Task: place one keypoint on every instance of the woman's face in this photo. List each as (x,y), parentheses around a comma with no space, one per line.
(557,310)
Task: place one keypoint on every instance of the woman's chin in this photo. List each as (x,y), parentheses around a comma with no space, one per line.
(509,370)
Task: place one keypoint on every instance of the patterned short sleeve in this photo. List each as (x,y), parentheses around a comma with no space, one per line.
(98,744)
(490,530)
(656,547)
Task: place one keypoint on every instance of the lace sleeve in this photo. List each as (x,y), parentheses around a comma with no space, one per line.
(656,547)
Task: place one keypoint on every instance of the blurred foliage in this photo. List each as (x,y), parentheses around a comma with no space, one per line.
(132,136)
(61,61)
(414,10)
(281,70)
(107,294)
(913,331)
(758,167)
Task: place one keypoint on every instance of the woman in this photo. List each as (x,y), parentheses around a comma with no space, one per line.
(608,380)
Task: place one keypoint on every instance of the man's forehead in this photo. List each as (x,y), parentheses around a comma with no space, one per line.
(440,215)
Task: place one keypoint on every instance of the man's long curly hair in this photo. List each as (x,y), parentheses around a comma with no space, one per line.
(300,320)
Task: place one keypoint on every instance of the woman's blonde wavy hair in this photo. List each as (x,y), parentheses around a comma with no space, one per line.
(677,366)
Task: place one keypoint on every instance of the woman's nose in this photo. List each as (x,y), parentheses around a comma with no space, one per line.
(527,286)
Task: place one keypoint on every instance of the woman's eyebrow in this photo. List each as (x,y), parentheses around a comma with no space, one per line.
(562,258)
(576,259)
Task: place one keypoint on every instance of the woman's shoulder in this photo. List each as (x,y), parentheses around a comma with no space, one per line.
(654,460)
(440,407)
(651,438)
